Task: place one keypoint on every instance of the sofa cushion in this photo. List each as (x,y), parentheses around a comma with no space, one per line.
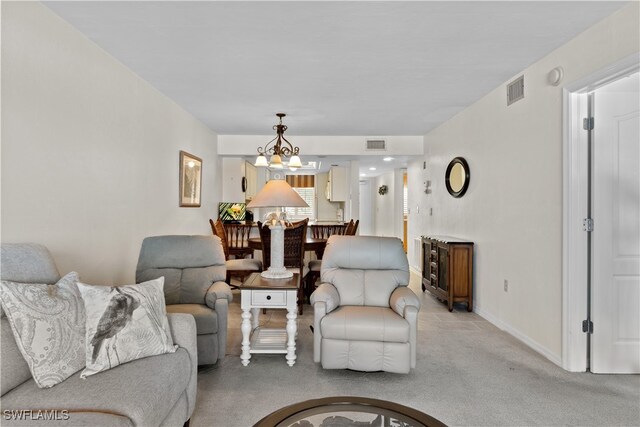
(27,263)
(14,370)
(48,324)
(144,390)
(365,324)
(124,323)
(206,318)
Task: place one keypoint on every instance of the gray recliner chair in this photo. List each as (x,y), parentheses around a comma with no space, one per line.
(194,271)
(365,315)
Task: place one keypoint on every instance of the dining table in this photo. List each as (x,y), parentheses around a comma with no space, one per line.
(310,244)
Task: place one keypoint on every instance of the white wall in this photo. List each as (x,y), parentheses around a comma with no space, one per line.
(232,173)
(513,208)
(90,150)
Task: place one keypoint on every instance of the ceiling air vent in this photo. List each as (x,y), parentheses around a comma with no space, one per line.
(376,144)
(515,90)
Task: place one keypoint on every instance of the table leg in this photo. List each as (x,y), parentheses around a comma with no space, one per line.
(292,327)
(246,333)
(255,318)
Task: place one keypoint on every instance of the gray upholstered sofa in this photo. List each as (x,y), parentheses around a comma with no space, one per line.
(365,316)
(154,391)
(194,270)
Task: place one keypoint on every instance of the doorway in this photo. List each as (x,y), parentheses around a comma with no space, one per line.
(601,234)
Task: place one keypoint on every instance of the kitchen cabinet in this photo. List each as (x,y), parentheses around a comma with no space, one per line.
(337,185)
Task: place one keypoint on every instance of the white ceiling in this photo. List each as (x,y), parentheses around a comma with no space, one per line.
(336,68)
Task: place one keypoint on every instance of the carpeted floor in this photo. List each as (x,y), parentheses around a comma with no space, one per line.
(468,373)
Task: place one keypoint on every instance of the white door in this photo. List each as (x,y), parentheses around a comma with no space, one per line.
(616,237)
(366,209)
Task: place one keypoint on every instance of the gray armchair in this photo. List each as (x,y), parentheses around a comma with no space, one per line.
(365,316)
(194,272)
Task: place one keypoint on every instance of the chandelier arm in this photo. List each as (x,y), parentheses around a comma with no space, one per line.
(291,150)
(275,146)
(266,149)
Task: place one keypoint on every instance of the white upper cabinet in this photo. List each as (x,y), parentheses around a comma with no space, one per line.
(337,186)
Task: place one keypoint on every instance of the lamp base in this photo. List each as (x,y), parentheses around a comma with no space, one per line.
(276,273)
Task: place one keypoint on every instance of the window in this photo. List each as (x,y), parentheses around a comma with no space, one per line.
(309,196)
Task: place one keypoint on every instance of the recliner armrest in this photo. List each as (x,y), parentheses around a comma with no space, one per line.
(219,290)
(328,294)
(183,333)
(403,297)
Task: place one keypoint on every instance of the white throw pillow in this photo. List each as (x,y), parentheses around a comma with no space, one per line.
(48,323)
(124,323)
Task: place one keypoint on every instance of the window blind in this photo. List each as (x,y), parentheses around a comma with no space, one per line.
(308,194)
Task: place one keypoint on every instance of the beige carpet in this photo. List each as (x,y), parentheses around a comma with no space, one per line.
(468,373)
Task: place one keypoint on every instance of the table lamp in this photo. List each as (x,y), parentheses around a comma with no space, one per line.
(277,193)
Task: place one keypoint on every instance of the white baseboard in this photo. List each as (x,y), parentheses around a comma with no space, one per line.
(415,270)
(553,357)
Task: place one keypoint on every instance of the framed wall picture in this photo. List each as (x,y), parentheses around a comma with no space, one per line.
(190,180)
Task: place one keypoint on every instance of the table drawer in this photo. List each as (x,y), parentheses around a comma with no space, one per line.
(269,298)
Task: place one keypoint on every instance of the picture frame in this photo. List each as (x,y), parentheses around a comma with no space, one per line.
(190,188)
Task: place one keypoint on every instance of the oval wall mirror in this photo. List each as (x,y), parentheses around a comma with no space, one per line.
(457,177)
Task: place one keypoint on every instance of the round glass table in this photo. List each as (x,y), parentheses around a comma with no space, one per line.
(348,411)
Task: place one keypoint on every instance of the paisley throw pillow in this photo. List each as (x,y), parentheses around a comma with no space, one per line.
(48,324)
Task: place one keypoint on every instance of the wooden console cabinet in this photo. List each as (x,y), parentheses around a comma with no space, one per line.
(447,269)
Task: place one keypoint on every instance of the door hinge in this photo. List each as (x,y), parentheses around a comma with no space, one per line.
(587,224)
(587,124)
(587,326)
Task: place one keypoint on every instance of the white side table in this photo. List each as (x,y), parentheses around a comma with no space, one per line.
(258,292)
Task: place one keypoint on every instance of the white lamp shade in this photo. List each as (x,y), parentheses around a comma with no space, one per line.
(275,162)
(277,193)
(295,162)
(261,160)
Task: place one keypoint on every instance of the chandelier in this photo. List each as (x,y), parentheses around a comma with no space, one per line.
(277,149)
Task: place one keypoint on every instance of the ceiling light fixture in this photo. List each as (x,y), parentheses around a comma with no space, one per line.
(372,168)
(388,159)
(277,150)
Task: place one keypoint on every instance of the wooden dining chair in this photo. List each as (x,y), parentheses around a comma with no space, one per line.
(294,238)
(352,227)
(324,231)
(321,232)
(236,267)
(238,239)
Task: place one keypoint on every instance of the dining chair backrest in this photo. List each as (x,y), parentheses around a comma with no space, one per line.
(294,238)
(238,239)
(217,228)
(326,231)
(352,227)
